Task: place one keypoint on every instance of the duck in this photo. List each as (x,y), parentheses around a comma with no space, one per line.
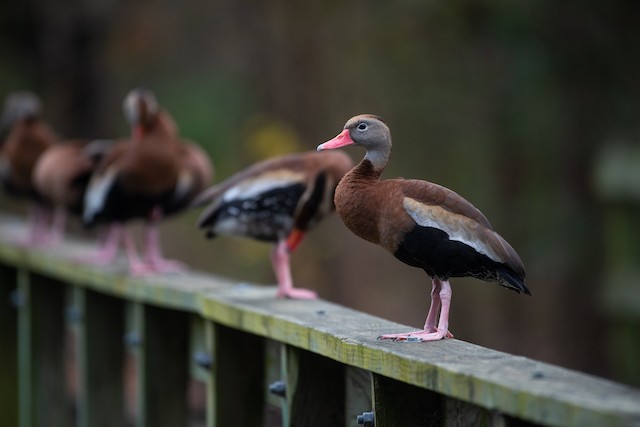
(27,137)
(277,200)
(147,177)
(423,224)
(61,176)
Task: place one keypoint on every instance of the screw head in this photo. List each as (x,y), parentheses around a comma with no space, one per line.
(73,314)
(278,388)
(17,298)
(366,419)
(132,339)
(203,359)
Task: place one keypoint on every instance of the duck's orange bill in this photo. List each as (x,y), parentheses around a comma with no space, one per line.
(342,140)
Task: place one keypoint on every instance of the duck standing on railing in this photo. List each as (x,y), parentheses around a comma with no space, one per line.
(422,224)
(27,136)
(149,176)
(61,176)
(277,200)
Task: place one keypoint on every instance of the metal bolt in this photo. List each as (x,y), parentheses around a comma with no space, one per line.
(367,419)
(132,339)
(278,388)
(203,359)
(73,314)
(17,298)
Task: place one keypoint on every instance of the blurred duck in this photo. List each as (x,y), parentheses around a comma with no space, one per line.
(277,200)
(27,137)
(61,176)
(422,224)
(147,177)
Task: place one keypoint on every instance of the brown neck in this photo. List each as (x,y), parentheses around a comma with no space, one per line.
(365,171)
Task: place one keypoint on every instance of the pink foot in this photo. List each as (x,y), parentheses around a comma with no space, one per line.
(108,250)
(167,266)
(297,293)
(140,269)
(418,336)
(30,242)
(97,259)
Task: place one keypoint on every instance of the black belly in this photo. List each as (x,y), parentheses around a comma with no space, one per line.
(268,216)
(431,249)
(121,206)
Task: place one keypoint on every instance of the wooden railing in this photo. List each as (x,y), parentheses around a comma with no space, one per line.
(264,361)
(617,183)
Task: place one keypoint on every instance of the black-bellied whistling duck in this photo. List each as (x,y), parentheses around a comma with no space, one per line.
(277,200)
(422,224)
(61,176)
(147,177)
(27,137)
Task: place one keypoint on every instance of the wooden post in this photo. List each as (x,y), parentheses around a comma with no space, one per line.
(161,353)
(358,396)
(8,347)
(397,404)
(237,378)
(273,403)
(315,389)
(618,184)
(98,323)
(42,390)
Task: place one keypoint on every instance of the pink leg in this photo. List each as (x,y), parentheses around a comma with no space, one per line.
(432,316)
(440,295)
(108,247)
(282,269)
(136,266)
(37,228)
(58,224)
(153,252)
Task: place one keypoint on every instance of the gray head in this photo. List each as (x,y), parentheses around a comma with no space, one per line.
(140,106)
(20,105)
(368,131)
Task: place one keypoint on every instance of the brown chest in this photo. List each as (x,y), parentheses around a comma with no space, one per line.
(373,211)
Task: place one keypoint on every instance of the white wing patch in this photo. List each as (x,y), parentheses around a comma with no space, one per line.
(96,194)
(458,227)
(261,184)
(184,185)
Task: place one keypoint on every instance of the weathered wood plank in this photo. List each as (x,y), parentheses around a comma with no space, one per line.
(99,327)
(162,365)
(274,371)
(358,394)
(397,404)
(516,386)
(9,347)
(42,385)
(237,386)
(310,380)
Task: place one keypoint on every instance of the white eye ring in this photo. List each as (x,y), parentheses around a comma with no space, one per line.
(362,126)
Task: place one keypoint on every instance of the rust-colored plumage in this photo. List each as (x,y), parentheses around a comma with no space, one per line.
(61,176)
(62,172)
(28,136)
(150,175)
(423,224)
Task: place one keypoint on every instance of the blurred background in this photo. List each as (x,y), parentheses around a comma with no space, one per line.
(527,109)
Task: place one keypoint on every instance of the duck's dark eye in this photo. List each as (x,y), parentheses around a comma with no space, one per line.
(362,126)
